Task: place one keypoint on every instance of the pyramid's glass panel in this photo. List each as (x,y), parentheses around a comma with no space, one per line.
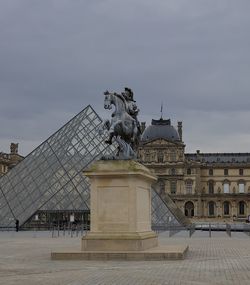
(51,176)
(161,215)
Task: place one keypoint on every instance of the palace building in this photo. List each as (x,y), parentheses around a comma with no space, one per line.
(202,185)
(9,160)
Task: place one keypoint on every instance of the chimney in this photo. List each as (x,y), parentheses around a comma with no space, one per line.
(14,148)
(198,155)
(180,130)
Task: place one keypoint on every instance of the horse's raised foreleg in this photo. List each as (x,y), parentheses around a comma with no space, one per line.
(113,130)
(105,125)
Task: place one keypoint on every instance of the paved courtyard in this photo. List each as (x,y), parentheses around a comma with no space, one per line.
(25,259)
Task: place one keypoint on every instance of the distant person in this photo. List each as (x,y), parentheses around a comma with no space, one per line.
(17,225)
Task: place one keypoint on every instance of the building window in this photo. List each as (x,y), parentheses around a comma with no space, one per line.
(211,171)
(211,208)
(242,208)
(172,156)
(147,156)
(226,171)
(173,187)
(241,187)
(162,186)
(226,208)
(188,171)
(226,187)
(172,171)
(211,187)
(241,172)
(189,209)
(189,186)
(160,157)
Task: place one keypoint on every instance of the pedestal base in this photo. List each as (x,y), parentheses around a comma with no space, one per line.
(119,241)
(157,253)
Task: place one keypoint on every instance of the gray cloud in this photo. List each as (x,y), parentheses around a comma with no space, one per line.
(58,56)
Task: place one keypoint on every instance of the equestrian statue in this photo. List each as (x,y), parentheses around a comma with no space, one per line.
(123,128)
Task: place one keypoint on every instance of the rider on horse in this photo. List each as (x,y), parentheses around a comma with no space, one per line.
(132,109)
(124,124)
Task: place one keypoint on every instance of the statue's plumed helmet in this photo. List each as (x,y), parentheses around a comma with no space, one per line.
(130,93)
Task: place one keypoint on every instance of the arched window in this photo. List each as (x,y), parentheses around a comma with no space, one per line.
(210,186)
(188,171)
(189,186)
(226,208)
(210,171)
(242,208)
(189,209)
(226,187)
(211,208)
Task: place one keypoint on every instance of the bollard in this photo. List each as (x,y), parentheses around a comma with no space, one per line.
(228,229)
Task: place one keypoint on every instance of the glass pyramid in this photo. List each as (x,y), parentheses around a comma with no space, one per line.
(161,215)
(51,177)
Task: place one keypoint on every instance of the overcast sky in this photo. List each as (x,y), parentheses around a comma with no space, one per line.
(58,56)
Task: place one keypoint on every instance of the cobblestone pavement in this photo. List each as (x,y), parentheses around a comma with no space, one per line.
(25,259)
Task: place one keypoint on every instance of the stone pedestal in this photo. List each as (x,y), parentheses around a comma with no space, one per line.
(120,207)
(121,216)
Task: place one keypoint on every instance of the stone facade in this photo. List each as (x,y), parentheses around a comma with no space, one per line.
(203,185)
(9,160)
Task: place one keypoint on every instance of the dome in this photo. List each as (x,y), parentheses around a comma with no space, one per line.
(160,129)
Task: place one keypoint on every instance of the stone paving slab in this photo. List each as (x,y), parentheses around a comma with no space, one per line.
(25,259)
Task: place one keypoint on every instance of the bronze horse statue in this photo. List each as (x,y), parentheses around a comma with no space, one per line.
(122,127)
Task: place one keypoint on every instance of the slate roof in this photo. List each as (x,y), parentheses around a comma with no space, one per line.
(160,129)
(219,157)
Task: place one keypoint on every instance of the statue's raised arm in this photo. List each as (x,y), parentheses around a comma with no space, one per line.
(124,127)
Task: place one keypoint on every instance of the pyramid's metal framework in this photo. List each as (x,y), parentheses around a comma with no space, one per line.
(51,177)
